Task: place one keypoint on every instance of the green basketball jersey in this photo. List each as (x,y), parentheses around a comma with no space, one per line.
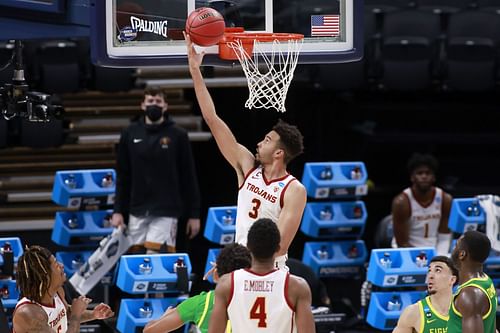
(431,321)
(197,309)
(485,285)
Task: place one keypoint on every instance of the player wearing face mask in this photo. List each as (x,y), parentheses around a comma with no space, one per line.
(156,179)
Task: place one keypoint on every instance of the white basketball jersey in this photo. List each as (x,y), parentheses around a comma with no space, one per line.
(58,317)
(424,221)
(259,302)
(259,198)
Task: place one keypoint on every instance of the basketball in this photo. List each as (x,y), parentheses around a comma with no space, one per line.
(205,26)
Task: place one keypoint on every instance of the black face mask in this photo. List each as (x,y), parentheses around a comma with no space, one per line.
(154,112)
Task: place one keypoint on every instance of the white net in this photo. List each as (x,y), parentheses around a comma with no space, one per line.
(269,74)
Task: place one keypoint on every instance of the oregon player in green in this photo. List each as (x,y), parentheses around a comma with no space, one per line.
(474,305)
(197,309)
(430,315)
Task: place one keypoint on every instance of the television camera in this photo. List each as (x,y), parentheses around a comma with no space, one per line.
(17,101)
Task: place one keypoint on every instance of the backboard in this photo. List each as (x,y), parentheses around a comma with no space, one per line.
(133,33)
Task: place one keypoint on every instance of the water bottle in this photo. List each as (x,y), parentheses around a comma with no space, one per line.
(357,212)
(356,173)
(353,252)
(394,304)
(8,259)
(145,267)
(421,259)
(4,292)
(386,261)
(178,263)
(473,209)
(77,262)
(228,218)
(106,221)
(70,181)
(322,253)
(326,173)
(325,214)
(107,180)
(146,311)
(73,222)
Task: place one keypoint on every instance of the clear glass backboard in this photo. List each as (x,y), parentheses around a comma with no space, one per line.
(131,33)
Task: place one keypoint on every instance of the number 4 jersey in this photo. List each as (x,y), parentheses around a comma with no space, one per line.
(259,198)
(259,302)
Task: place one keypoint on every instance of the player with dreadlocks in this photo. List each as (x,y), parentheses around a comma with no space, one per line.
(42,306)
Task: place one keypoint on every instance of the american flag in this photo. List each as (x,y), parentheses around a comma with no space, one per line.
(325,25)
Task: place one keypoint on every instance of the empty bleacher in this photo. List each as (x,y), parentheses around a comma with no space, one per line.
(91,128)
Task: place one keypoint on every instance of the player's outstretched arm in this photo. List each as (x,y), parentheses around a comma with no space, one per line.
(409,320)
(237,155)
(218,319)
(299,290)
(168,322)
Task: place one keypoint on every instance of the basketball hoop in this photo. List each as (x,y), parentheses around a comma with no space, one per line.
(267,88)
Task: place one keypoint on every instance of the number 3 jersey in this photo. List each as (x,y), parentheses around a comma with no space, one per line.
(259,302)
(259,198)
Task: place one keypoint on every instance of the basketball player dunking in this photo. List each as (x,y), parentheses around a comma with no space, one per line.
(266,189)
(262,299)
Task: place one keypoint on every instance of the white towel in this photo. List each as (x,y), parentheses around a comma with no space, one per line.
(491,206)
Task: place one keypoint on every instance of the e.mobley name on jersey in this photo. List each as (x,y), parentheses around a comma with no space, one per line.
(156,27)
(259,286)
(262,193)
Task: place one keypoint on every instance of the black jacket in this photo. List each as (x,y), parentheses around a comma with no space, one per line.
(156,174)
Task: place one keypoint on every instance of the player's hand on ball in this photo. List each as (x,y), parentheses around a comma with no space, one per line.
(195,59)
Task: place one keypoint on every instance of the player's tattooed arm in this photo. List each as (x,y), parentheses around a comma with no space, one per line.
(32,319)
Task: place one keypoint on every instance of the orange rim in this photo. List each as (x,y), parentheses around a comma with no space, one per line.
(228,30)
(247,40)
